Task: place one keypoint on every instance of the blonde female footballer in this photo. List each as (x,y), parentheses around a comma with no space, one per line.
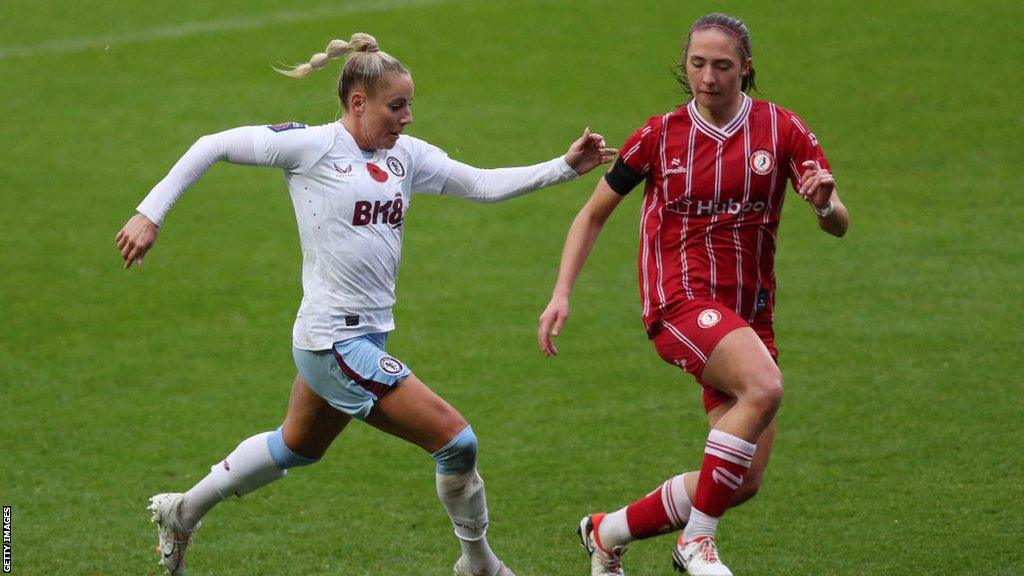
(350,183)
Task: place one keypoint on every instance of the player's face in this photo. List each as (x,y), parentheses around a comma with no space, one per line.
(386,114)
(715,69)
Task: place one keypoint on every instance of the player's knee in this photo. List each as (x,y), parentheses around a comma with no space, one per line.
(284,457)
(765,388)
(458,455)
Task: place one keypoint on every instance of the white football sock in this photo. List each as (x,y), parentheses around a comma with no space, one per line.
(700,524)
(614,530)
(680,500)
(463,498)
(247,468)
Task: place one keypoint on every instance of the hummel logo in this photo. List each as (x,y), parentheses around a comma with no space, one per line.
(722,476)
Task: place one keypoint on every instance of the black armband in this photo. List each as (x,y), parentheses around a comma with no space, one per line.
(621,178)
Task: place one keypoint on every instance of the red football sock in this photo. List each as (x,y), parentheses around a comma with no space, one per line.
(726,460)
(663,510)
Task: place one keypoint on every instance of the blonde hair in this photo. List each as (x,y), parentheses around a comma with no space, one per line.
(367,65)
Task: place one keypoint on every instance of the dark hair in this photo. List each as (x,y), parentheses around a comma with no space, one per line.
(731,25)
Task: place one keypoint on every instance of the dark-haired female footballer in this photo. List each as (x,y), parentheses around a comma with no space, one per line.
(350,183)
(715,172)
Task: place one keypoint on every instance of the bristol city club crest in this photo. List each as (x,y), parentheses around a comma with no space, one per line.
(708,318)
(762,162)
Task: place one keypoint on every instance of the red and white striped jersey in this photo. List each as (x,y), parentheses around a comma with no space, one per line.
(712,203)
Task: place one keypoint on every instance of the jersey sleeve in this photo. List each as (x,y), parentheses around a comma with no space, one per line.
(634,161)
(499,184)
(430,166)
(235,146)
(803,146)
(248,145)
(290,146)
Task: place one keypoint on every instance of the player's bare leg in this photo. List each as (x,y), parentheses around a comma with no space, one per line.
(741,366)
(311,424)
(413,412)
(755,474)
(310,427)
(664,509)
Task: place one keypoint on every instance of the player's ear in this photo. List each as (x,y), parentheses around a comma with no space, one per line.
(357,102)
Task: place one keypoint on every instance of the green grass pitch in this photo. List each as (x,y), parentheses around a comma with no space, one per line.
(900,442)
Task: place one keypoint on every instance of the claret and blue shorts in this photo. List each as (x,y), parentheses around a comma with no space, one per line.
(352,375)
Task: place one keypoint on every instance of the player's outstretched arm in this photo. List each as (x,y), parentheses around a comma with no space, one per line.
(499,184)
(237,146)
(578,244)
(140,232)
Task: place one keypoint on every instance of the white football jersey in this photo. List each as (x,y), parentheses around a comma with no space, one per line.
(350,208)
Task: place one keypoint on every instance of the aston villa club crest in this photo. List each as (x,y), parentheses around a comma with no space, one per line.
(390,365)
(762,162)
(395,166)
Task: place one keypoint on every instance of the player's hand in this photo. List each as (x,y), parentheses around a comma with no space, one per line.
(136,238)
(550,324)
(588,152)
(816,185)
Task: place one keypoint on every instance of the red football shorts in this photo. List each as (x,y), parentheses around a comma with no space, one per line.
(688,334)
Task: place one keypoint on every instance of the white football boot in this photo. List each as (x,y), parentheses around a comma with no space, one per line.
(174,537)
(462,569)
(698,557)
(602,562)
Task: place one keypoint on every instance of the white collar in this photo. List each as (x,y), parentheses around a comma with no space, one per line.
(730,128)
(349,141)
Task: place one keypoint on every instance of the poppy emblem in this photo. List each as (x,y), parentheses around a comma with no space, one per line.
(376,173)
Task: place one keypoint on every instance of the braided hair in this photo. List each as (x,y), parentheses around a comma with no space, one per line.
(367,65)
